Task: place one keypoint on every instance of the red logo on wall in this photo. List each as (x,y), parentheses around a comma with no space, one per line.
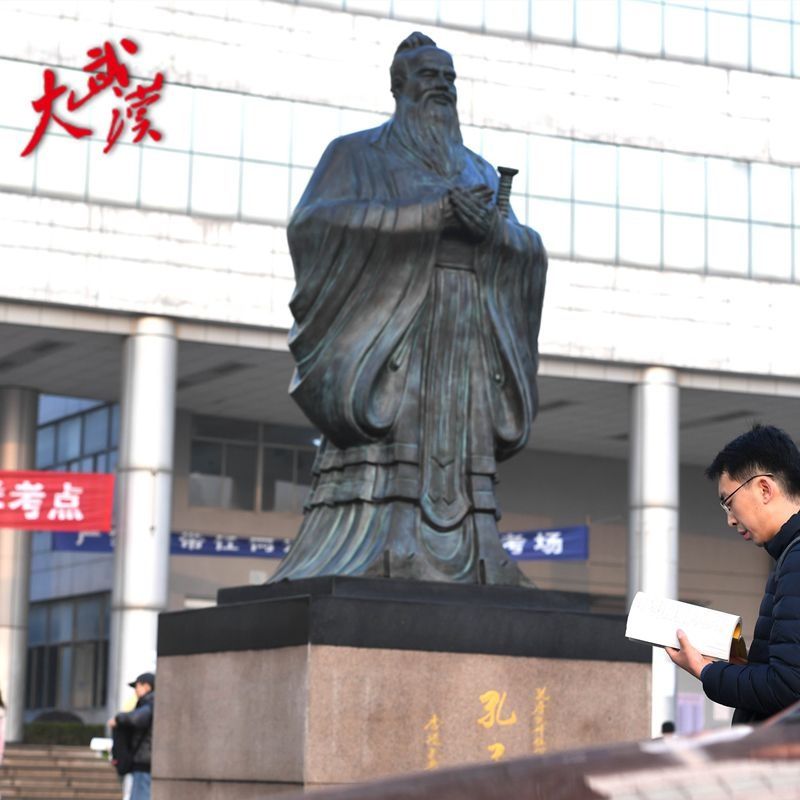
(56,501)
(106,71)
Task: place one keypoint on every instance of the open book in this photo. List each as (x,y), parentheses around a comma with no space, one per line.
(654,620)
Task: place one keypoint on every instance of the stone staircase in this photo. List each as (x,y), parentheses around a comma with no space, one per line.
(51,772)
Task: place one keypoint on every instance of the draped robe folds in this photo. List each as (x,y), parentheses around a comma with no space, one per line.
(416,357)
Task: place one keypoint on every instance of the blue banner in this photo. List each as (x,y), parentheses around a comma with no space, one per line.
(551,544)
(570,543)
(184,543)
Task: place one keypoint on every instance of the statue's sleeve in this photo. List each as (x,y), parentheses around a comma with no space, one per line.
(362,260)
(514,271)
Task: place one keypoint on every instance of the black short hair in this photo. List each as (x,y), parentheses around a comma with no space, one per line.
(764,448)
(668,727)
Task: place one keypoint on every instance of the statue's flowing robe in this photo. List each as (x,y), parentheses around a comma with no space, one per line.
(416,357)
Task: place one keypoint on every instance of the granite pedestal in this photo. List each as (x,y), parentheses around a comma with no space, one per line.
(342,680)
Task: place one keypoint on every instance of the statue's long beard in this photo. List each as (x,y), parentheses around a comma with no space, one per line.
(431,132)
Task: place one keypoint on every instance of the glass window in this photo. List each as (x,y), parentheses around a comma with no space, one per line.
(45,446)
(550,167)
(596,172)
(69,438)
(519,207)
(277,490)
(64,679)
(87,618)
(596,22)
(727,247)
(553,220)
(15,172)
(640,26)
(551,20)
(83,675)
(510,16)
(60,629)
(796,45)
(507,149)
(217,123)
(206,458)
(639,178)
(640,237)
(115,425)
(770,193)
(224,428)
(165,179)
(595,232)
(473,138)
(305,464)
(265,192)
(727,188)
(22,84)
(775,9)
(381,7)
(114,176)
(770,46)
(37,625)
(728,39)
(173,115)
(298,180)
(61,165)
(422,10)
(684,242)
(772,252)
(353,120)
(290,434)
(684,183)
(684,32)
(95,430)
(267,129)
(464,13)
(215,185)
(313,127)
(240,465)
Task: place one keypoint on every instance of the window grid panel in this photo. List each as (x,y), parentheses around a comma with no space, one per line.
(718,32)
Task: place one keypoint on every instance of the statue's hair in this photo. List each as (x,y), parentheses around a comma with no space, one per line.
(399,69)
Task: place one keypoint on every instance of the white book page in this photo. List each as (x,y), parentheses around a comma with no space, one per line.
(656,619)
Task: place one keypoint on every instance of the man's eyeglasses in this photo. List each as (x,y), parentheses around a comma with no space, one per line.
(725,503)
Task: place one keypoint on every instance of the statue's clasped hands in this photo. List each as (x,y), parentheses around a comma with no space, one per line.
(474,209)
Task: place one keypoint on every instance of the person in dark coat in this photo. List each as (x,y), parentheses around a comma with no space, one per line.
(758,478)
(132,732)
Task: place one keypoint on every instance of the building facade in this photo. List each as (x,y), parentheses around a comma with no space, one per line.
(144,291)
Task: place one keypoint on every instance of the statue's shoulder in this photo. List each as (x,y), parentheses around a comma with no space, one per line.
(358,141)
(482,166)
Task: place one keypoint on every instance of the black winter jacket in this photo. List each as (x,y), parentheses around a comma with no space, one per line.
(139,726)
(770,681)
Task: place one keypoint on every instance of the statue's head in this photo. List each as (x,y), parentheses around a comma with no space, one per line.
(426,118)
(423,73)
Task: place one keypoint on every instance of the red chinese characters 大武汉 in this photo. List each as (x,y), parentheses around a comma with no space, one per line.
(56,501)
(105,71)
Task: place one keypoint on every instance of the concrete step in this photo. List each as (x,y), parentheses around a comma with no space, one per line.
(55,772)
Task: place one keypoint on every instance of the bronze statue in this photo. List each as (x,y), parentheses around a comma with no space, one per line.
(417,313)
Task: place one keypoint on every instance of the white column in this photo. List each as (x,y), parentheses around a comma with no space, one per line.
(18,414)
(144,502)
(653,526)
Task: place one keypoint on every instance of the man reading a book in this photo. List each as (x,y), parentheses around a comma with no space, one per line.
(758,479)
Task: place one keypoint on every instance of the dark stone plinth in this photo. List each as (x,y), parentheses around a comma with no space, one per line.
(401,615)
(339,680)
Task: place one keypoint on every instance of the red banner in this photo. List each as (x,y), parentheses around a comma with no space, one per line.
(56,501)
